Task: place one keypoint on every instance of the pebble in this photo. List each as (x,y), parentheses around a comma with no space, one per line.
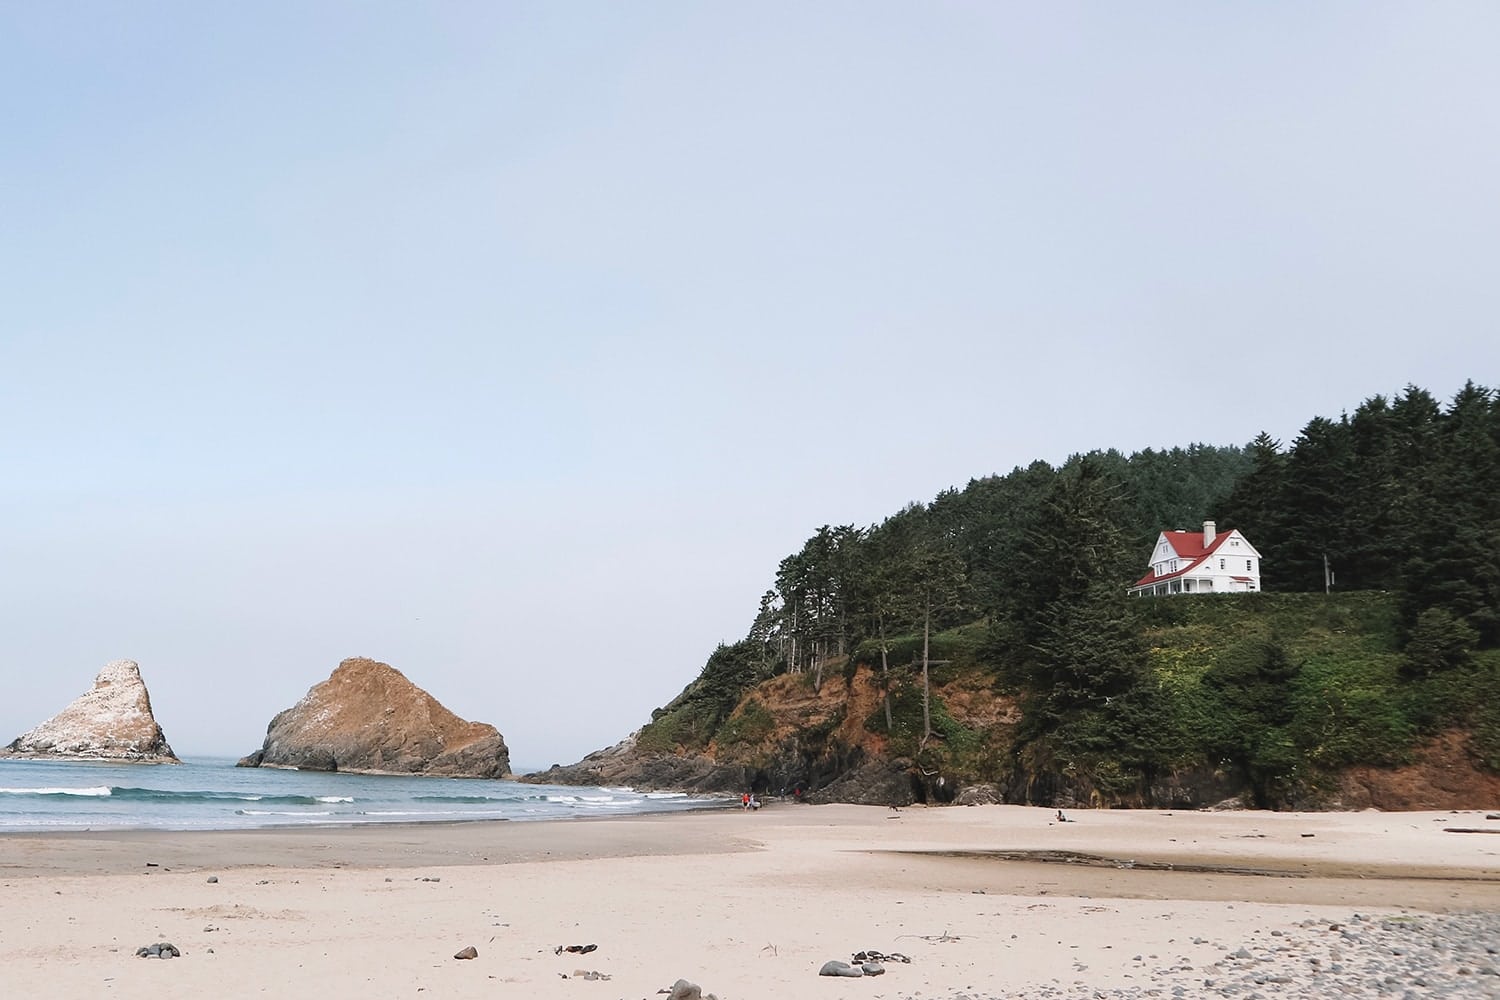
(1445,956)
(469,952)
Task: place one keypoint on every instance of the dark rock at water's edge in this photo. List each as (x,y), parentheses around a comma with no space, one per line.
(848,776)
(837,773)
(621,764)
(112,722)
(368,718)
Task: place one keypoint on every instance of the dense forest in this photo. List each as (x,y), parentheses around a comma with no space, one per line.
(1386,520)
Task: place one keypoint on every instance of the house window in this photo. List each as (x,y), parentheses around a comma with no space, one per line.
(1221,564)
(1249,565)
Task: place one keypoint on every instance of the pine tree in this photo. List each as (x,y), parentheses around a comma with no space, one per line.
(1456,565)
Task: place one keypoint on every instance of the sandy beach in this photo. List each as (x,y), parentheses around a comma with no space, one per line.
(988,901)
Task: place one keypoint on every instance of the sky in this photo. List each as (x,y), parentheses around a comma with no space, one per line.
(514,344)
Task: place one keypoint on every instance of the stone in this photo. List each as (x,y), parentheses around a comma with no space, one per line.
(368,718)
(160,949)
(872,969)
(978,795)
(213,879)
(684,990)
(112,721)
(469,952)
(837,968)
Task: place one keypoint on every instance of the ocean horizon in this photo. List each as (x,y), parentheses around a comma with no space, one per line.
(210,793)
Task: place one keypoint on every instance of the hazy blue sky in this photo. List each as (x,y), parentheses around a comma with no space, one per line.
(514,344)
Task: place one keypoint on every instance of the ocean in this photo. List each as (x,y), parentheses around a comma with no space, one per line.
(213,794)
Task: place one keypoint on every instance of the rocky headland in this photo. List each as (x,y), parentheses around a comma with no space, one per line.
(815,745)
(112,721)
(368,718)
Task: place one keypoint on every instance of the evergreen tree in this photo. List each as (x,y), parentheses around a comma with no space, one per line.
(1256,505)
(1456,562)
(1075,540)
(1252,682)
(1088,651)
(1321,483)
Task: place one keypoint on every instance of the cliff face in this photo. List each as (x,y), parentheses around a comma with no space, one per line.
(824,744)
(813,744)
(367,717)
(112,721)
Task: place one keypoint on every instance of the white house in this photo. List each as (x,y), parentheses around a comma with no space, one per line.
(1200,562)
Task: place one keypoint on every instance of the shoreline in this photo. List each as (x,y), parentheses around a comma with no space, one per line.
(1417,846)
(750,904)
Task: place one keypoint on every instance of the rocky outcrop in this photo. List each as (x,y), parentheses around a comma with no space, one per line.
(817,749)
(830,744)
(881,782)
(624,764)
(112,721)
(368,718)
(1443,773)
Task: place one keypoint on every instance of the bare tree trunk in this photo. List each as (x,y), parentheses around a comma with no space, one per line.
(926,683)
(885,674)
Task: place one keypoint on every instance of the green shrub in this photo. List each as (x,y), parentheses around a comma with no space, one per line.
(958,646)
(906,730)
(1439,643)
(747,727)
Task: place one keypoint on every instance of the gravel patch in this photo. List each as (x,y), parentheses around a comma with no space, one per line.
(1403,956)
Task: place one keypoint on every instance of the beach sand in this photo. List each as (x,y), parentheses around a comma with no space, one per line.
(753,904)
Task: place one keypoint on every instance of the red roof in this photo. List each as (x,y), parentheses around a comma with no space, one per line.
(1187,545)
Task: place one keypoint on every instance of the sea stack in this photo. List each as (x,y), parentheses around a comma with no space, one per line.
(368,718)
(110,722)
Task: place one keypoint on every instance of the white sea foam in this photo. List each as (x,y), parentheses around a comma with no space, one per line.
(215,795)
(94,790)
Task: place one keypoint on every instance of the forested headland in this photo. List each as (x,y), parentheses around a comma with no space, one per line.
(984,639)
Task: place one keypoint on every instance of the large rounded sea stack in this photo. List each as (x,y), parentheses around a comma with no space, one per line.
(112,721)
(368,718)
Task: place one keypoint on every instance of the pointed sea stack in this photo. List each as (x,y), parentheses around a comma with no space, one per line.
(368,718)
(110,722)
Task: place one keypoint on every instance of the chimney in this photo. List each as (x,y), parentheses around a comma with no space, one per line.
(1208,533)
